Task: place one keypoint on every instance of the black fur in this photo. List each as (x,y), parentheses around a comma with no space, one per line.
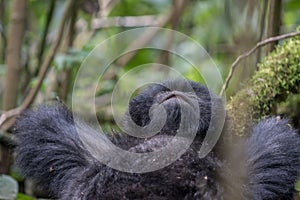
(273,159)
(51,152)
(139,107)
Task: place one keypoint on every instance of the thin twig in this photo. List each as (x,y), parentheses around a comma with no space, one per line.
(251,51)
(128,21)
(44,68)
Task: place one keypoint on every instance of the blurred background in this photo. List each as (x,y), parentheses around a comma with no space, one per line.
(43,44)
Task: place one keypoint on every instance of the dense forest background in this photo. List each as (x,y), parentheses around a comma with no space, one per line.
(44,43)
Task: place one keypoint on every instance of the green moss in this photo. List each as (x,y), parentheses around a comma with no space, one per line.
(277,77)
(239,111)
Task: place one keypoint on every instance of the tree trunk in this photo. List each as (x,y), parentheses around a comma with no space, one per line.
(13,68)
(274,22)
(13,54)
(2,31)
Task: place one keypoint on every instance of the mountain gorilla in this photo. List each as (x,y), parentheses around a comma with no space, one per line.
(53,151)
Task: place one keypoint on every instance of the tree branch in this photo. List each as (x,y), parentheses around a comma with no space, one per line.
(45,31)
(250,52)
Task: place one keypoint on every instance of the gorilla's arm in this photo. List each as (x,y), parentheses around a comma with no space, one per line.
(273,160)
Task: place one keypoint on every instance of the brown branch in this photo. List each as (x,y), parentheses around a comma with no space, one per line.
(9,114)
(128,21)
(66,74)
(43,71)
(262,27)
(178,8)
(45,31)
(251,51)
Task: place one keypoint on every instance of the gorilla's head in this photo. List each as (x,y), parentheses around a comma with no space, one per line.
(173,96)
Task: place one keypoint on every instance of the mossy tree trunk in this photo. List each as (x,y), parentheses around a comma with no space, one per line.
(277,77)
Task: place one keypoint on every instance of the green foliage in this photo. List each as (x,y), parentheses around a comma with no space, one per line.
(21,196)
(2,70)
(193,74)
(72,58)
(278,76)
(291,14)
(136,8)
(38,10)
(207,14)
(107,86)
(297,186)
(33,83)
(143,56)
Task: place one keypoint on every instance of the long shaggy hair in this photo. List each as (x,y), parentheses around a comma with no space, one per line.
(52,151)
